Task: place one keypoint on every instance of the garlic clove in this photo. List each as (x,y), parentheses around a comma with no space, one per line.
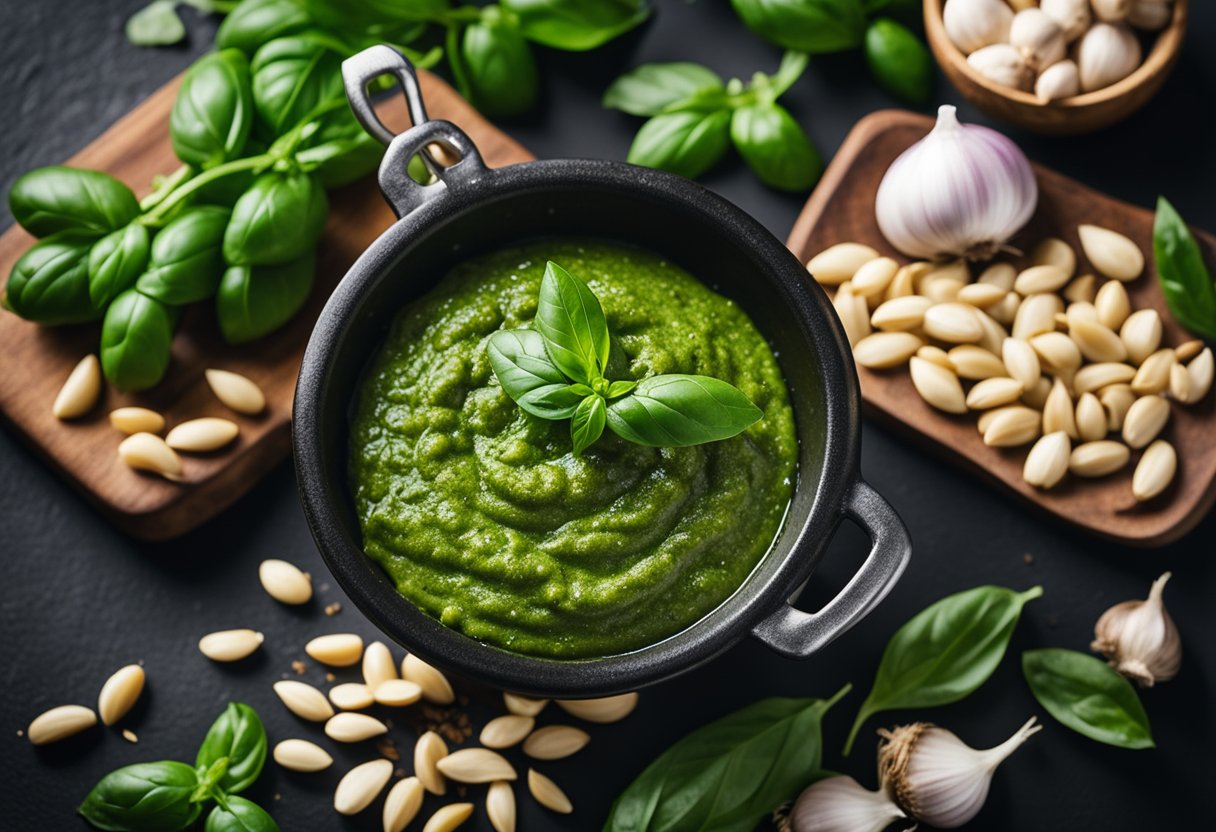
(962,190)
(1150,15)
(1111,11)
(1105,54)
(1038,38)
(1072,16)
(1060,80)
(1139,638)
(937,778)
(974,24)
(841,804)
(1003,64)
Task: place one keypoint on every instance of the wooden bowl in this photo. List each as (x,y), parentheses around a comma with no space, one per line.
(1083,113)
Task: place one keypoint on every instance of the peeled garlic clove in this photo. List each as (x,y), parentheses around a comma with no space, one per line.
(1038,38)
(1111,253)
(1111,11)
(81,390)
(841,804)
(148,452)
(838,263)
(1071,15)
(1003,64)
(1139,638)
(1060,80)
(1105,54)
(1155,470)
(973,24)
(202,435)
(237,392)
(1150,15)
(936,777)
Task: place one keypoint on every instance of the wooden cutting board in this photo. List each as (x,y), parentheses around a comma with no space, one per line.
(36,360)
(842,209)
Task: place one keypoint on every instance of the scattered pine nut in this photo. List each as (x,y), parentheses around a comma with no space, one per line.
(236,391)
(336,649)
(523,705)
(435,686)
(554,742)
(302,755)
(351,696)
(378,665)
(402,804)
(361,785)
(303,700)
(548,794)
(353,727)
(60,723)
(447,818)
(130,420)
(428,751)
(285,582)
(202,435)
(120,693)
(500,806)
(606,709)
(129,736)
(506,731)
(230,645)
(397,693)
(475,765)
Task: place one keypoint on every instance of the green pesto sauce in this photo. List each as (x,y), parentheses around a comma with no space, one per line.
(483,517)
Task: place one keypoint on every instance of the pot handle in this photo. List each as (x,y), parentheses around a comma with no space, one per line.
(463,165)
(796,634)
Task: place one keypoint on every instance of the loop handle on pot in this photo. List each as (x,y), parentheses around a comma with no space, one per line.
(461,162)
(796,634)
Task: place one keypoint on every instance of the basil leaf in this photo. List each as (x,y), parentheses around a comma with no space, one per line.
(555,402)
(649,89)
(115,261)
(279,219)
(587,423)
(620,388)
(729,774)
(136,337)
(253,301)
(156,24)
(945,651)
(671,411)
(1185,280)
(291,76)
(145,797)
(497,64)
(239,815)
(1088,696)
(213,111)
(529,376)
(187,258)
(255,22)
(576,25)
(688,142)
(238,735)
(775,147)
(806,25)
(899,61)
(49,284)
(570,318)
(58,198)
(340,161)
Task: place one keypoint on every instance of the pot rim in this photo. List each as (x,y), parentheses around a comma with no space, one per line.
(323,486)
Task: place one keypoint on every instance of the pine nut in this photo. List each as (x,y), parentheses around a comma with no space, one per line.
(838,263)
(554,742)
(1096,376)
(303,700)
(506,731)
(872,278)
(853,313)
(1096,342)
(1097,459)
(378,665)
(1036,315)
(352,727)
(993,392)
(81,390)
(955,323)
(60,723)
(606,709)
(449,817)
(1091,418)
(302,755)
(435,686)
(475,765)
(230,645)
(285,582)
(1145,419)
(1012,427)
(336,650)
(1047,462)
(548,794)
(236,391)
(1052,251)
(1021,362)
(937,386)
(361,785)
(1058,412)
(428,751)
(1057,352)
(402,804)
(202,435)
(397,693)
(131,420)
(120,693)
(500,806)
(901,313)
(1038,279)
(523,705)
(975,363)
(1036,395)
(883,350)
(351,696)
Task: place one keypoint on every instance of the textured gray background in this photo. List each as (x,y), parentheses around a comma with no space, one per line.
(80,599)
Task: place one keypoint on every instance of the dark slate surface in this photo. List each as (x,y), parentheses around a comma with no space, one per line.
(79,599)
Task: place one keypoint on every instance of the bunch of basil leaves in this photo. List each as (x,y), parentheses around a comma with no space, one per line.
(262,129)
(166,796)
(488,47)
(897,57)
(694,117)
(557,371)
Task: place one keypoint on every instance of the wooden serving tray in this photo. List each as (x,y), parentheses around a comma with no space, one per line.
(842,209)
(36,360)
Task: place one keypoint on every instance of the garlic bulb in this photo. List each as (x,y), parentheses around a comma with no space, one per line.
(961,191)
(937,778)
(1150,15)
(1111,11)
(1072,16)
(1038,38)
(1140,639)
(841,804)
(1106,54)
(972,24)
(1060,80)
(1003,64)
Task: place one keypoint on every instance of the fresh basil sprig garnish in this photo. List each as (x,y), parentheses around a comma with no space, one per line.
(1185,281)
(1088,696)
(557,372)
(694,118)
(167,796)
(944,652)
(729,774)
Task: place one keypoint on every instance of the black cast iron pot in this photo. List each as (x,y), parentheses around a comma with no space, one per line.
(472,210)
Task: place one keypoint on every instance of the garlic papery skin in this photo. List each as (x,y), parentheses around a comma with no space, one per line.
(1038,38)
(1003,64)
(1105,54)
(1060,80)
(974,24)
(1073,16)
(1140,639)
(937,778)
(961,191)
(1111,11)
(841,804)
(1150,15)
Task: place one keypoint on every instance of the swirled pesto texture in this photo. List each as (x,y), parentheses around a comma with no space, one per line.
(484,518)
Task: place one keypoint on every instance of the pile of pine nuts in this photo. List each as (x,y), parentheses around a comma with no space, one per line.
(1051,359)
